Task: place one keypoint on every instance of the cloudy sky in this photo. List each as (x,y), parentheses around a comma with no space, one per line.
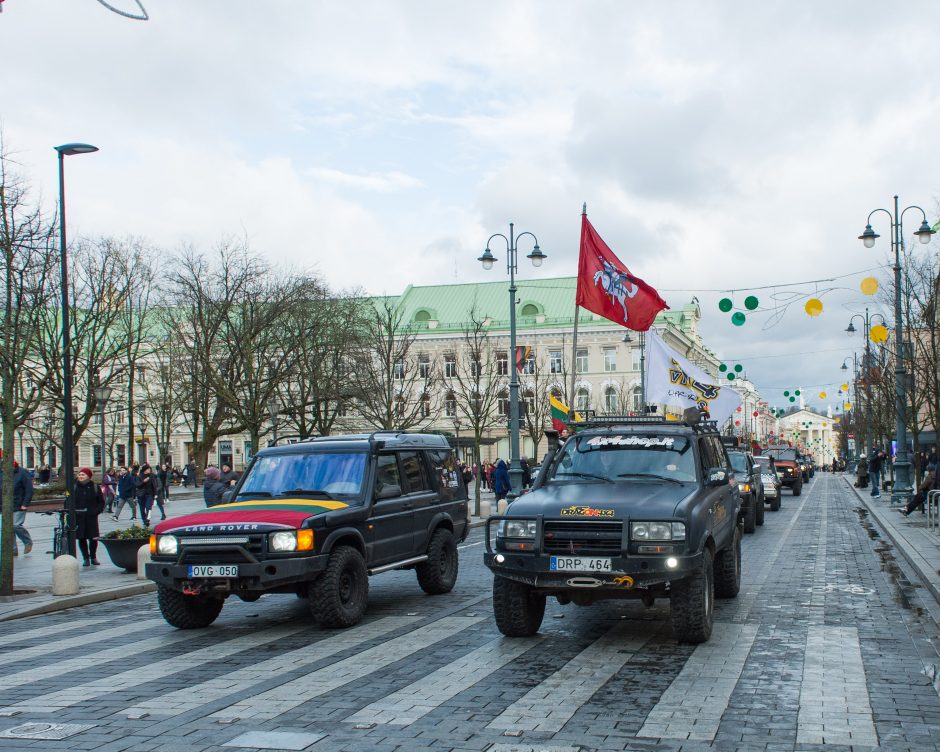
(718,145)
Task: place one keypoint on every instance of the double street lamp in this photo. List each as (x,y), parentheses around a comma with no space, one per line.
(866,367)
(68,449)
(102,395)
(488,259)
(901,489)
(272,413)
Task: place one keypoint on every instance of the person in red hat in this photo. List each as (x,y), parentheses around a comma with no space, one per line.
(89,503)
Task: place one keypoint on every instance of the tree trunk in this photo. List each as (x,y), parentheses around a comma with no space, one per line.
(6,536)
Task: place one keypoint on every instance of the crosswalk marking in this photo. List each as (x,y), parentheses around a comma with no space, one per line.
(550,705)
(31,633)
(418,699)
(81,641)
(692,706)
(135,677)
(289,695)
(834,704)
(239,681)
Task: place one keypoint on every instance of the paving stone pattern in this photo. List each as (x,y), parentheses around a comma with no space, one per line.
(828,646)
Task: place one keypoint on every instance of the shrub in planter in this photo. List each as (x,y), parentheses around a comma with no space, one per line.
(123,544)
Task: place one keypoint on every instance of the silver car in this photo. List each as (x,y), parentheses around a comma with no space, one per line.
(771,481)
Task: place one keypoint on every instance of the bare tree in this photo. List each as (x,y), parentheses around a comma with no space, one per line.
(27,241)
(537,382)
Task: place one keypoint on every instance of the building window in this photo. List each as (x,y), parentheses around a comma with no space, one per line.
(424,366)
(121,452)
(425,405)
(450,365)
(530,309)
(475,369)
(502,364)
(400,370)
(555,362)
(635,358)
(637,399)
(610,359)
(96,455)
(30,457)
(528,366)
(582,399)
(423,315)
(450,405)
(582,364)
(119,417)
(527,404)
(503,401)
(610,399)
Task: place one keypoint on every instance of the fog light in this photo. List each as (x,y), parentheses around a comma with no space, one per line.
(499,558)
(672,562)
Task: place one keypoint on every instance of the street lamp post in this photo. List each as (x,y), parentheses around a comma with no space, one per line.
(272,413)
(845,367)
(68,450)
(901,488)
(866,367)
(102,395)
(22,432)
(457,425)
(488,259)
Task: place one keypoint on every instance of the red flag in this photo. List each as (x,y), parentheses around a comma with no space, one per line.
(606,287)
(522,355)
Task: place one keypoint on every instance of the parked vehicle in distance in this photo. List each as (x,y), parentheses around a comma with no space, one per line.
(770,480)
(748,476)
(788,467)
(317,519)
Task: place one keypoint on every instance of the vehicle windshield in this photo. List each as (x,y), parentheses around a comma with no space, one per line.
(764,463)
(787,455)
(618,458)
(335,474)
(738,462)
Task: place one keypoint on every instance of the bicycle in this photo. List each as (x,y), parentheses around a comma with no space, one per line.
(60,534)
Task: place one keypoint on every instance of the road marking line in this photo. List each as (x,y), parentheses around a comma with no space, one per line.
(289,695)
(241,680)
(136,677)
(692,706)
(835,707)
(550,705)
(407,705)
(30,635)
(471,545)
(817,604)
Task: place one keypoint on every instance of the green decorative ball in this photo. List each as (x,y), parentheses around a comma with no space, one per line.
(738,368)
(722,368)
(797,392)
(725,305)
(792,399)
(751,302)
(738,318)
(786,393)
(730,377)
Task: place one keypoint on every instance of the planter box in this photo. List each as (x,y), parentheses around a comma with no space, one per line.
(123,551)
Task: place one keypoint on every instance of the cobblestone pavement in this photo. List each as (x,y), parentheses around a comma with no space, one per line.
(828,646)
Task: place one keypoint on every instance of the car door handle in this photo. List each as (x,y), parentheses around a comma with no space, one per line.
(407,505)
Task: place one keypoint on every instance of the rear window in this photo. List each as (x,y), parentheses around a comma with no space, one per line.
(787,455)
(338,474)
(738,462)
(764,463)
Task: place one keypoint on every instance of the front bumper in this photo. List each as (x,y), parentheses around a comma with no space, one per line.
(254,577)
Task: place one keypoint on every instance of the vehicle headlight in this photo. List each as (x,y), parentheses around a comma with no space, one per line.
(283,540)
(648,531)
(167,545)
(518,529)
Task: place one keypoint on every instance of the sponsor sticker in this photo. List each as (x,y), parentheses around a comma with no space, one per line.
(586,512)
(647,442)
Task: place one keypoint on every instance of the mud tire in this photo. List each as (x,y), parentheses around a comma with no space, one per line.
(692,603)
(339,595)
(518,609)
(438,574)
(188,611)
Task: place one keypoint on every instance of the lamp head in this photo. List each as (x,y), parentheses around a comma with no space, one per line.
(869,237)
(67,150)
(536,257)
(487,259)
(627,337)
(924,233)
(850,329)
(844,368)
(102,393)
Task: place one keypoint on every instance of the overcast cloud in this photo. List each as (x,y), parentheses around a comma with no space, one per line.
(717,144)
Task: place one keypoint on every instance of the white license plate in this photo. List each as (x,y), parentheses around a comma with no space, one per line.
(579,564)
(222,570)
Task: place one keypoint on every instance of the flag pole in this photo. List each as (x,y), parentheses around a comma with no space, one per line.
(574,338)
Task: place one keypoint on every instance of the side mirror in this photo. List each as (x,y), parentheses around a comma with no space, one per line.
(717,477)
(388,491)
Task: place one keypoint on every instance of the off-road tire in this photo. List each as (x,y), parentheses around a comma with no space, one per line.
(339,595)
(728,568)
(750,516)
(438,574)
(775,501)
(518,609)
(188,611)
(760,511)
(797,488)
(692,603)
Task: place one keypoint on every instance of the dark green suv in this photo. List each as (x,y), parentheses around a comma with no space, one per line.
(631,507)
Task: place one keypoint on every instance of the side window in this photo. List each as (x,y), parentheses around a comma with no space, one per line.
(445,471)
(413,468)
(387,474)
(721,458)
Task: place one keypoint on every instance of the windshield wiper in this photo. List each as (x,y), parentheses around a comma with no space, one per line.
(587,475)
(254,493)
(649,475)
(307,492)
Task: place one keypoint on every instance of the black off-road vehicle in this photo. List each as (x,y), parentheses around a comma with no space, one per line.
(748,475)
(629,507)
(317,518)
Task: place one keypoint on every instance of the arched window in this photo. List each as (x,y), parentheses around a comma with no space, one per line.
(529,309)
(423,315)
(637,399)
(610,399)
(582,400)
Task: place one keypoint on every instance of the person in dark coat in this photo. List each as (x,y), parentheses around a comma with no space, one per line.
(213,487)
(89,503)
(146,490)
(526,472)
(501,485)
(22,496)
(127,494)
(862,471)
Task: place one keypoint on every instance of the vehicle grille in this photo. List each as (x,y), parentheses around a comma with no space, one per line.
(576,537)
(254,544)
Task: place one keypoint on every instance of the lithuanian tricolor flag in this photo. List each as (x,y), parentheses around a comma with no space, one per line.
(560,413)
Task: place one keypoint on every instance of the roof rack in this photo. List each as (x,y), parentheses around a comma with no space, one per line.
(608,421)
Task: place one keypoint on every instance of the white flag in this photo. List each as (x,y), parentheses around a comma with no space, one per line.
(673,380)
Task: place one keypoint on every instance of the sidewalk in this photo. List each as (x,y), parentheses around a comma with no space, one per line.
(103,583)
(920,547)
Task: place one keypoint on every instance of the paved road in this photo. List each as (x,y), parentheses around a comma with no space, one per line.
(828,645)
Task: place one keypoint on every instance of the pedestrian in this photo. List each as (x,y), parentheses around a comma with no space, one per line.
(488,476)
(213,487)
(875,465)
(862,473)
(89,503)
(107,489)
(189,475)
(501,485)
(526,472)
(22,497)
(929,483)
(146,490)
(228,477)
(158,489)
(127,494)
(45,472)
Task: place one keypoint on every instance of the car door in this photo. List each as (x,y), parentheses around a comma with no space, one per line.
(391,526)
(726,509)
(420,494)
(719,513)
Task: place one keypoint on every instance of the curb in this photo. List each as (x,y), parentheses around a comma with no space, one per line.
(917,566)
(82,599)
